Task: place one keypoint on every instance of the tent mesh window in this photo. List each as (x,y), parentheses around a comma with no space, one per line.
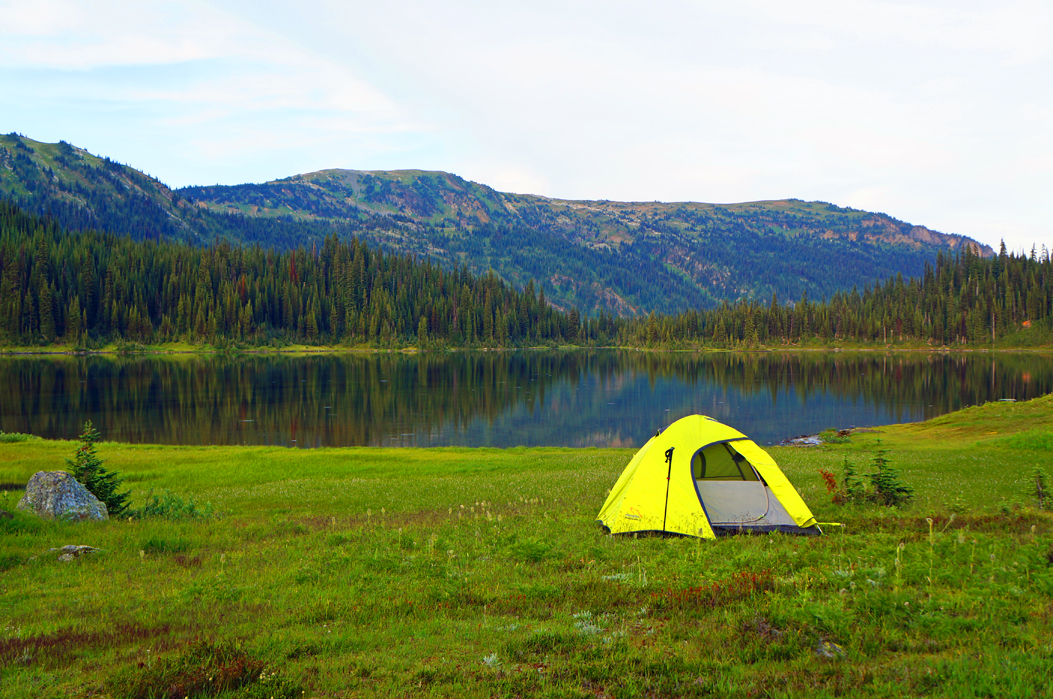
(720,462)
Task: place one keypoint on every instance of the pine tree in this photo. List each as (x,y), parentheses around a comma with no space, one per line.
(422,332)
(73,321)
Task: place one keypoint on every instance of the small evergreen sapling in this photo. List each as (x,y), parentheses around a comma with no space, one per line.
(882,485)
(889,490)
(88,469)
(854,490)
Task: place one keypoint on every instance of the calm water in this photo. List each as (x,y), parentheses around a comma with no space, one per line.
(501,399)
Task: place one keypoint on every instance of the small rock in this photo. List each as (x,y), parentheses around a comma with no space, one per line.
(802,441)
(58,495)
(4,514)
(826,649)
(73,551)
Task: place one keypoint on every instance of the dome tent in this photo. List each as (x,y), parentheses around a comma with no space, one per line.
(699,477)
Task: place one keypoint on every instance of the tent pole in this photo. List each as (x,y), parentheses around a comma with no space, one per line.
(668,475)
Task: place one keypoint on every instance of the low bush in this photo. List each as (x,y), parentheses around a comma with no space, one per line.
(12,437)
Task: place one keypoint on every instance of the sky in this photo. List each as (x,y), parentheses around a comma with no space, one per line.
(939,113)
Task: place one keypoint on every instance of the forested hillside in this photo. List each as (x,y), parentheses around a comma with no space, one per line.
(623,258)
(962,300)
(93,288)
(90,289)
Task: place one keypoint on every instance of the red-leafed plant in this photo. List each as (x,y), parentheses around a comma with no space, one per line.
(830,481)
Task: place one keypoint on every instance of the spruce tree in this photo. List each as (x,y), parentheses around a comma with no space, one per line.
(89,471)
(889,490)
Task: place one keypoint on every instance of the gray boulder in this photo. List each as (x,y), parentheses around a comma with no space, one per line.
(58,495)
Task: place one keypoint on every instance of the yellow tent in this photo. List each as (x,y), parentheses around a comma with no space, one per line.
(699,477)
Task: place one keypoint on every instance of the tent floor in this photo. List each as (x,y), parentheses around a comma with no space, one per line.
(735,530)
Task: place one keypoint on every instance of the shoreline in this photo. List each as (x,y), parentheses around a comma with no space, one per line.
(305,349)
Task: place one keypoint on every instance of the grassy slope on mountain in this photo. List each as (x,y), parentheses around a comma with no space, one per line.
(677,255)
(84,191)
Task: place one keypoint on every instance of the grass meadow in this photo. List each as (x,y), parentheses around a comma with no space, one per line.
(481,572)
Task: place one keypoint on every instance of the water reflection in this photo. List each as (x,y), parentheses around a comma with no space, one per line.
(579,398)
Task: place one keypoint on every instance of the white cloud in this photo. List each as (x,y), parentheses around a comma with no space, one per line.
(39,19)
(937,112)
(82,35)
(1021,32)
(189,89)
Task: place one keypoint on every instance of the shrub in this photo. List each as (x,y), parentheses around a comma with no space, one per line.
(11,437)
(88,469)
(883,485)
(836,496)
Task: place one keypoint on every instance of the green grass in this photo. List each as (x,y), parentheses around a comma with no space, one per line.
(481,572)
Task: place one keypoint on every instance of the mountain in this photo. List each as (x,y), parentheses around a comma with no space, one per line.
(625,258)
(85,191)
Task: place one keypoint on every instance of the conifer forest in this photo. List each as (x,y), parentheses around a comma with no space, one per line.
(89,289)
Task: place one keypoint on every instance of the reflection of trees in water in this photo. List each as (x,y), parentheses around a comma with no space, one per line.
(947,381)
(377,398)
(328,399)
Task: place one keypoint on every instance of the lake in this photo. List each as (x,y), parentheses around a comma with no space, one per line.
(581,398)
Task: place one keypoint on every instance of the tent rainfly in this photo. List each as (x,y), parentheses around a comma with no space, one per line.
(699,477)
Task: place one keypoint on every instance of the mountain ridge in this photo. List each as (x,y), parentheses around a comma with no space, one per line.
(894,231)
(625,258)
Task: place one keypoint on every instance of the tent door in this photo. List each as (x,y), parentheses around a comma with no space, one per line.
(734,502)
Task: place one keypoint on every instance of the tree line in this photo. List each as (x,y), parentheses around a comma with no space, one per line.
(960,299)
(91,288)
